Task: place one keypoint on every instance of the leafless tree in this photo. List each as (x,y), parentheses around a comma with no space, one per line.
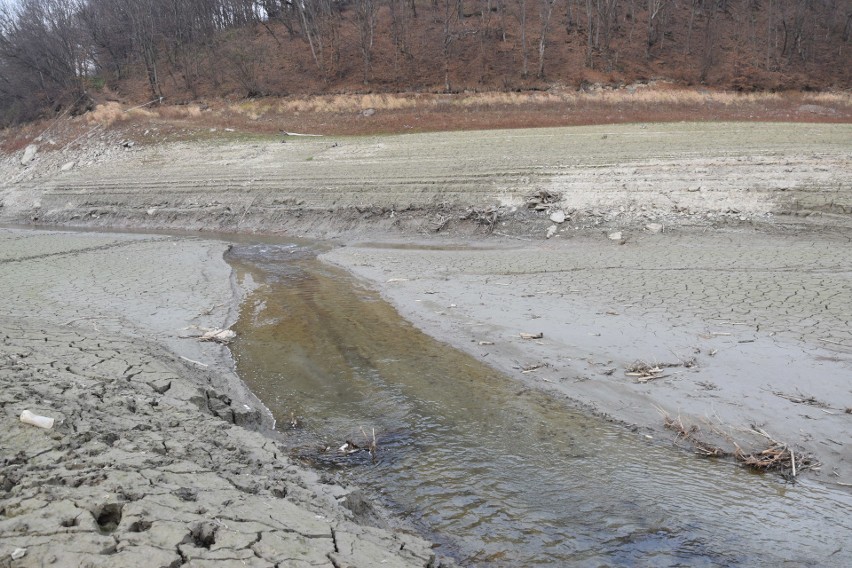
(365,17)
(45,59)
(545,13)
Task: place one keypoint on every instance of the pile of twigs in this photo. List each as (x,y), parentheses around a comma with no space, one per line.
(485,217)
(779,457)
(542,199)
(690,435)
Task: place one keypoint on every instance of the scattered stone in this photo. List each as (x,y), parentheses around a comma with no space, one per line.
(558,216)
(19,553)
(151,211)
(616,236)
(551,230)
(654,228)
(368,112)
(29,154)
(67,166)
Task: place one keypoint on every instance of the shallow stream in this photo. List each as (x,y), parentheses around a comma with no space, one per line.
(496,473)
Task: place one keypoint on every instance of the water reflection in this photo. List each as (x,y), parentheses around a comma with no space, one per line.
(499,474)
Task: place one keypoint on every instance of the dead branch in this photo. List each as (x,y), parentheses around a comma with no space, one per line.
(690,435)
(542,199)
(802,399)
(485,217)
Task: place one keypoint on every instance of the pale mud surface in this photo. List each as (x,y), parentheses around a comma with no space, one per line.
(750,330)
(151,461)
(608,176)
(750,277)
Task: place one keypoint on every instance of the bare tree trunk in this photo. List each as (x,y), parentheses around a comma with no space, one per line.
(523,18)
(365,16)
(545,14)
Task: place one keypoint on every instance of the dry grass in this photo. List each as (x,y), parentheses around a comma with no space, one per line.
(637,97)
(406,112)
(840,98)
(347,103)
(176,112)
(107,114)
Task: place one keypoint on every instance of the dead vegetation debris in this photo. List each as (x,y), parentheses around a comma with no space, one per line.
(778,457)
(690,435)
(803,399)
(487,217)
(538,335)
(644,372)
(542,199)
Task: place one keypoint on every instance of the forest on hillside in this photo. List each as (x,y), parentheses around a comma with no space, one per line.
(63,55)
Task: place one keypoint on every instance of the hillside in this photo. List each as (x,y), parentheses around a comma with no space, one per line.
(65,54)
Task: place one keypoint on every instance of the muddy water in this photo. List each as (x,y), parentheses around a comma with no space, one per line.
(498,474)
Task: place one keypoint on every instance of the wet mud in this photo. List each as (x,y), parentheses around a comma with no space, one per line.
(157,455)
(492,468)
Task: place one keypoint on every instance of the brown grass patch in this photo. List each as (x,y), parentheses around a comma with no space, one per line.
(106,114)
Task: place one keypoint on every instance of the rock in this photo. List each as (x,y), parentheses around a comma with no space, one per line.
(19,553)
(558,216)
(616,236)
(368,112)
(151,211)
(67,166)
(654,228)
(29,154)
(551,230)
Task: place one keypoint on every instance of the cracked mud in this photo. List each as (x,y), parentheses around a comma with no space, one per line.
(150,462)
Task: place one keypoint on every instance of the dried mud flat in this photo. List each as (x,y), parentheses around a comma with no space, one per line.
(613,176)
(719,249)
(158,455)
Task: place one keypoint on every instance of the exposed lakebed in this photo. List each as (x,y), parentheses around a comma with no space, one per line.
(496,472)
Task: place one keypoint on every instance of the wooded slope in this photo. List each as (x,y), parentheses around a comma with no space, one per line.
(59,54)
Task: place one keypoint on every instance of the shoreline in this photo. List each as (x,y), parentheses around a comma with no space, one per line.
(777,196)
(159,454)
(732,377)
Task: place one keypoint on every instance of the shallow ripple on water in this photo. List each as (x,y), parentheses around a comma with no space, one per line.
(499,475)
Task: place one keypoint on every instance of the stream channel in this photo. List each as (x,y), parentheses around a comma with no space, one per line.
(494,472)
